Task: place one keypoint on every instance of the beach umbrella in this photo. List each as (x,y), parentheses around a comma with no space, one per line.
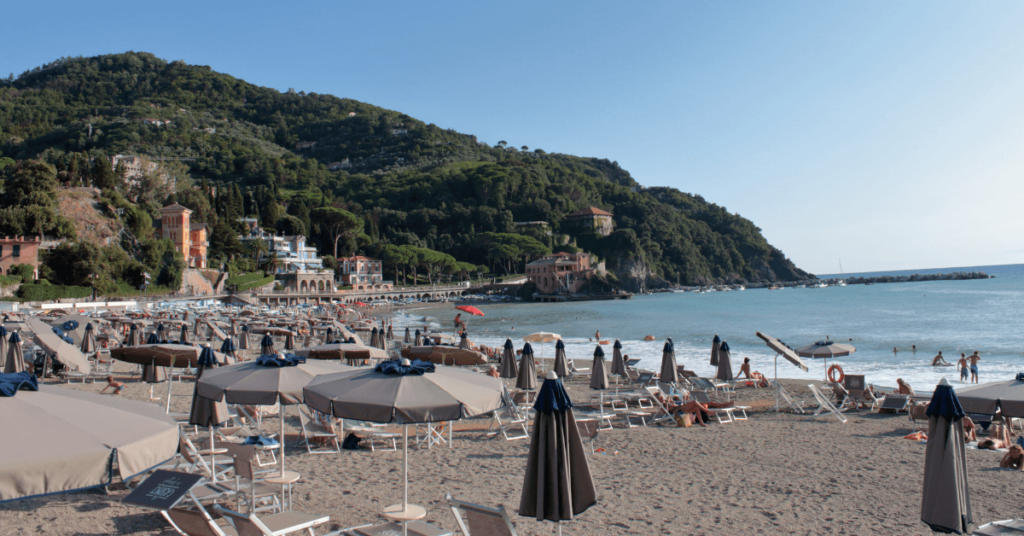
(183,339)
(195,327)
(542,337)
(527,378)
(375,338)
(404,392)
(59,440)
(89,340)
(419,339)
(784,351)
(824,350)
(724,363)
(598,375)
(471,310)
(66,353)
(391,332)
(3,346)
(152,339)
(289,341)
(508,361)
(161,332)
(715,343)
(227,348)
(945,497)
(561,367)
(382,342)
(243,339)
(1006,397)
(350,352)
(669,374)
(464,341)
(407,339)
(134,336)
(266,381)
(154,357)
(557,485)
(267,345)
(618,364)
(329,337)
(15,358)
(206,412)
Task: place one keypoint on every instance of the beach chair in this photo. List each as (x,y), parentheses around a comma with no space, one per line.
(662,414)
(260,496)
(272,525)
(796,405)
(917,413)
(197,463)
(372,432)
(730,413)
(311,430)
(588,428)
(578,373)
(824,404)
(416,528)
(480,520)
(841,398)
(1001,528)
(894,404)
(195,523)
(510,425)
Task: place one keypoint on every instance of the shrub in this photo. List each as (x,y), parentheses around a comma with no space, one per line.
(257,283)
(52,292)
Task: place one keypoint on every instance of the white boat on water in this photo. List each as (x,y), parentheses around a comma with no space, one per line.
(820,285)
(841,283)
(741,287)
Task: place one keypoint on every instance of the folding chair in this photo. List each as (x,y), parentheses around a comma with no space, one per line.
(894,404)
(588,428)
(510,426)
(796,405)
(480,520)
(273,525)
(824,404)
(730,413)
(253,488)
(312,430)
(662,413)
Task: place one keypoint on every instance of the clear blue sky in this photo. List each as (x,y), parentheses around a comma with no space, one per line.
(886,134)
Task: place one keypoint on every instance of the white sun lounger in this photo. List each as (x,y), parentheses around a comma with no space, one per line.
(824,405)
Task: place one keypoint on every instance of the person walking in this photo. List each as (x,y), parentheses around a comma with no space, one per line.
(962,366)
(974,366)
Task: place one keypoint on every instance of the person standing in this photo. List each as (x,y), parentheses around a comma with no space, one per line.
(962,366)
(597,336)
(974,366)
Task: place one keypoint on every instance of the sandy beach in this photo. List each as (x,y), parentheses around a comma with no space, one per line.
(771,474)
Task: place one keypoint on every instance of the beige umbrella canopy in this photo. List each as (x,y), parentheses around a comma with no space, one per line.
(66,353)
(825,349)
(58,440)
(342,351)
(986,398)
(445,355)
(785,352)
(159,355)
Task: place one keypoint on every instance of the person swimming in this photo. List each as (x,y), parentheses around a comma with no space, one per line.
(939,360)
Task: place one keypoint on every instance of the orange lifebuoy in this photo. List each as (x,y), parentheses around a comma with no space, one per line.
(831,374)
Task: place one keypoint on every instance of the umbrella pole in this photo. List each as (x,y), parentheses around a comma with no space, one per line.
(213,457)
(282,444)
(170,380)
(776,383)
(405,471)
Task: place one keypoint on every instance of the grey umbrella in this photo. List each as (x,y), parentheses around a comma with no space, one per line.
(3,346)
(669,374)
(89,340)
(508,361)
(558,484)
(598,375)
(391,332)
(418,341)
(561,366)
(375,338)
(195,328)
(825,349)
(715,343)
(527,378)
(618,364)
(1006,397)
(183,339)
(243,339)
(227,348)
(407,339)
(267,345)
(161,332)
(724,363)
(206,412)
(15,359)
(464,341)
(404,393)
(289,341)
(945,499)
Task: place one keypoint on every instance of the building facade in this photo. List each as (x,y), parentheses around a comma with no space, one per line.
(19,250)
(190,239)
(560,273)
(306,281)
(363,273)
(590,219)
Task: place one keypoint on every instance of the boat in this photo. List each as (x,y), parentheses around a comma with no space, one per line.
(820,285)
(841,283)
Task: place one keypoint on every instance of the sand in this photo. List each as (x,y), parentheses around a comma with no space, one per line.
(772,474)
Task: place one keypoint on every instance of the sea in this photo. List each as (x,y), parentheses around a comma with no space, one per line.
(916,319)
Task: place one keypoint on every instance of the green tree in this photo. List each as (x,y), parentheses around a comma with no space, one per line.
(224,242)
(34,183)
(103,176)
(337,224)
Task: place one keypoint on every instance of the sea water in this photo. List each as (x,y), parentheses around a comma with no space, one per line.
(952,316)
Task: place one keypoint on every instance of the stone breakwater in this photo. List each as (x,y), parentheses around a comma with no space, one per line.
(952,276)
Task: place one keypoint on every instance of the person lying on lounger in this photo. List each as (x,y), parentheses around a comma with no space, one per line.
(998,438)
(701,412)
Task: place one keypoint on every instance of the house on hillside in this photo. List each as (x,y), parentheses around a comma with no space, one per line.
(363,273)
(293,255)
(560,273)
(19,250)
(305,145)
(399,131)
(189,238)
(542,225)
(335,166)
(590,219)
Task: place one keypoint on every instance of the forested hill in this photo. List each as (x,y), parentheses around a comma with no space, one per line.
(407,182)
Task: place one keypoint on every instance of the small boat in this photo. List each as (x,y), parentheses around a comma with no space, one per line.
(820,285)
(841,283)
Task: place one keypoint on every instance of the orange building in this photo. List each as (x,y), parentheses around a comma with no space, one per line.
(560,273)
(19,250)
(189,238)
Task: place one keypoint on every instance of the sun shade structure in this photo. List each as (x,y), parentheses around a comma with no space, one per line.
(527,378)
(342,351)
(508,367)
(784,351)
(58,440)
(824,350)
(542,336)
(471,310)
(715,343)
(724,362)
(986,398)
(945,497)
(669,374)
(65,352)
(561,367)
(598,375)
(15,359)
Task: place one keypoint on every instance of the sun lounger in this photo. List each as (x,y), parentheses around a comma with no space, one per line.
(373,432)
(311,431)
(200,464)
(894,404)
(480,520)
(510,425)
(273,525)
(1005,527)
(588,429)
(796,405)
(824,404)
(416,528)
(259,495)
(662,414)
(196,523)
(730,413)
(644,379)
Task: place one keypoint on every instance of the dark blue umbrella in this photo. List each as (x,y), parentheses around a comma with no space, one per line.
(527,378)
(14,338)
(227,347)
(267,345)
(715,343)
(616,345)
(669,374)
(88,327)
(152,339)
(3,331)
(207,358)
(561,366)
(724,363)
(183,339)
(946,499)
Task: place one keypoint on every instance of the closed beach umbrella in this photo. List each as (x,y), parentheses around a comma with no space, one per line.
(407,339)
(3,346)
(183,339)
(59,440)
(598,375)
(267,345)
(289,341)
(89,340)
(329,337)
(391,332)
(464,341)
(527,378)
(374,338)
(243,339)
(161,332)
(15,359)
(558,484)
(206,412)
(134,336)
(195,328)
(561,362)
(227,348)
(419,339)
(618,364)
(715,343)
(508,361)
(152,339)
(945,499)
(669,374)
(724,363)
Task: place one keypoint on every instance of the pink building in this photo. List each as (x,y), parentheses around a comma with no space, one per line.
(19,250)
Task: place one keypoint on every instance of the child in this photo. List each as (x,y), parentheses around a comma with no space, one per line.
(113,384)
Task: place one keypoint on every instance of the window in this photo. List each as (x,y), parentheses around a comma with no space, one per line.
(16,250)
(1,253)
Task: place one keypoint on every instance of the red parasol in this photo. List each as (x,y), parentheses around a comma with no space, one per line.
(471,310)
(359,303)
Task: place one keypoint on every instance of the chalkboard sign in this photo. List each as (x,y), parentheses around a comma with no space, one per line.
(162,490)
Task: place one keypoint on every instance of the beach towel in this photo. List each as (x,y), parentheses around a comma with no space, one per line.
(11,383)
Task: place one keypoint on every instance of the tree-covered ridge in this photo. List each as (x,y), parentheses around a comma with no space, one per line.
(406,182)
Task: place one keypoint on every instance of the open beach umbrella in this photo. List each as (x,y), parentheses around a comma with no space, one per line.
(59,440)
(508,361)
(558,484)
(561,367)
(350,352)
(404,393)
(3,346)
(66,353)
(724,363)
(542,337)
(715,343)
(267,345)
(784,351)
(15,358)
(89,340)
(598,375)
(527,378)
(471,310)
(206,412)
(1007,397)
(407,339)
(945,497)
(154,357)
(243,339)
(464,341)
(668,374)
(825,349)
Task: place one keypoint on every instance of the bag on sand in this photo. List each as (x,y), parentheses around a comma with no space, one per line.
(351,442)
(683,420)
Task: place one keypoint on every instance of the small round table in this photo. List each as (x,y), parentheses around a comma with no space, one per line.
(413,512)
(286,479)
(212,453)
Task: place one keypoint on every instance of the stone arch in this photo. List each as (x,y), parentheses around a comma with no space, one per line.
(303,287)
(320,286)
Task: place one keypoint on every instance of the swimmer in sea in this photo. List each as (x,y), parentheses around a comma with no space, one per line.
(974,366)
(962,365)
(939,360)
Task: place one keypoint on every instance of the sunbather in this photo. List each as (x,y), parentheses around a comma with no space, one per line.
(998,438)
(701,413)
(970,430)
(903,388)
(1013,459)
(492,371)
(113,384)
(744,369)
